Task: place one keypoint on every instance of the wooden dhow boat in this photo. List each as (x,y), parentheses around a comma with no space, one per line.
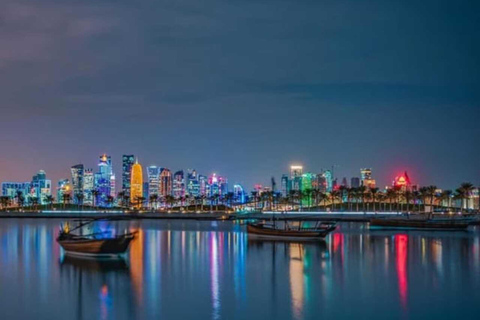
(419,224)
(289,231)
(96,244)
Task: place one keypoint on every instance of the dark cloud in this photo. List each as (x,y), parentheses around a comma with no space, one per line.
(242,87)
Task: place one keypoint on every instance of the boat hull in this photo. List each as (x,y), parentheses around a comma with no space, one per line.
(417,225)
(256,232)
(96,247)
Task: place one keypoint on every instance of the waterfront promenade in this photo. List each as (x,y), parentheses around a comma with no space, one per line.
(216,215)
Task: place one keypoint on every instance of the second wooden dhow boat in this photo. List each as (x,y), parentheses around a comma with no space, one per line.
(419,224)
(288,232)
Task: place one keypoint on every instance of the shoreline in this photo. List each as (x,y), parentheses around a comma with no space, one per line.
(360,217)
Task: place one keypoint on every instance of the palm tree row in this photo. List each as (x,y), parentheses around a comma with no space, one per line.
(366,199)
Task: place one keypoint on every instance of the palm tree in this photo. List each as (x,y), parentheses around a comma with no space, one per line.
(362,190)
(467,189)
(4,201)
(66,197)
(95,194)
(34,201)
(334,195)
(139,202)
(121,196)
(202,203)
(408,197)
(255,198)
(374,192)
(153,199)
(432,190)
(79,198)
(49,200)
(110,200)
(20,198)
(291,196)
(391,195)
(169,200)
(446,197)
(307,194)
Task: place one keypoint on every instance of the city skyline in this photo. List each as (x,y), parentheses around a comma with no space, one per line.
(363,174)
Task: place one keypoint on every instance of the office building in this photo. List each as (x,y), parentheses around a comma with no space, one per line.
(88,187)
(136,184)
(165,183)
(127,162)
(179,184)
(153,175)
(77,172)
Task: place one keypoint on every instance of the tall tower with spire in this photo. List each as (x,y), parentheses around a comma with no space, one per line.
(136,183)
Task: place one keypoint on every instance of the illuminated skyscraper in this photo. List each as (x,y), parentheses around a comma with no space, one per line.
(103,180)
(321,183)
(366,173)
(238,194)
(11,189)
(127,163)
(88,186)
(193,185)
(165,182)
(202,184)
(179,184)
(296,171)
(136,183)
(285,185)
(153,173)
(328,180)
(307,181)
(41,187)
(367,180)
(296,178)
(77,182)
(63,188)
(223,185)
(355,182)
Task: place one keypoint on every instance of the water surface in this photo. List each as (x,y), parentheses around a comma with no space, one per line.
(210,270)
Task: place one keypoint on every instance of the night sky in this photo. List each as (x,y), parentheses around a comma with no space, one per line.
(242,88)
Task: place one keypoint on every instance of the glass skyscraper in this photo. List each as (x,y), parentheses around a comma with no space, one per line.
(179,184)
(103,180)
(127,162)
(193,185)
(165,182)
(88,187)
(77,182)
(153,174)
(41,187)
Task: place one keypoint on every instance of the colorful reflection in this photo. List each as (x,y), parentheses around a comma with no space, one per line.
(401,249)
(192,270)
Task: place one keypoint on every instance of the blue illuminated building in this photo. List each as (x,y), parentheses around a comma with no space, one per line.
(103,183)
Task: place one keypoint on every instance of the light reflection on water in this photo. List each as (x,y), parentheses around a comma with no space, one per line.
(210,270)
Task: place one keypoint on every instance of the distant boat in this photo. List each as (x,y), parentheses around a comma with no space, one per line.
(420,224)
(95,244)
(290,232)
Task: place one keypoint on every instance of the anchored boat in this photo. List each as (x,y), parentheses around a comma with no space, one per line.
(289,231)
(97,244)
(420,224)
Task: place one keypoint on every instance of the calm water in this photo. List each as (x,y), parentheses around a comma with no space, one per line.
(210,270)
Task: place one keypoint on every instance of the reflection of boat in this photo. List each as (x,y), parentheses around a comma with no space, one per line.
(96,244)
(419,224)
(94,264)
(290,232)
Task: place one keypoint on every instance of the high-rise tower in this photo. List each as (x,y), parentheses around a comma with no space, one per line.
(136,183)
(153,173)
(127,162)
(77,183)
